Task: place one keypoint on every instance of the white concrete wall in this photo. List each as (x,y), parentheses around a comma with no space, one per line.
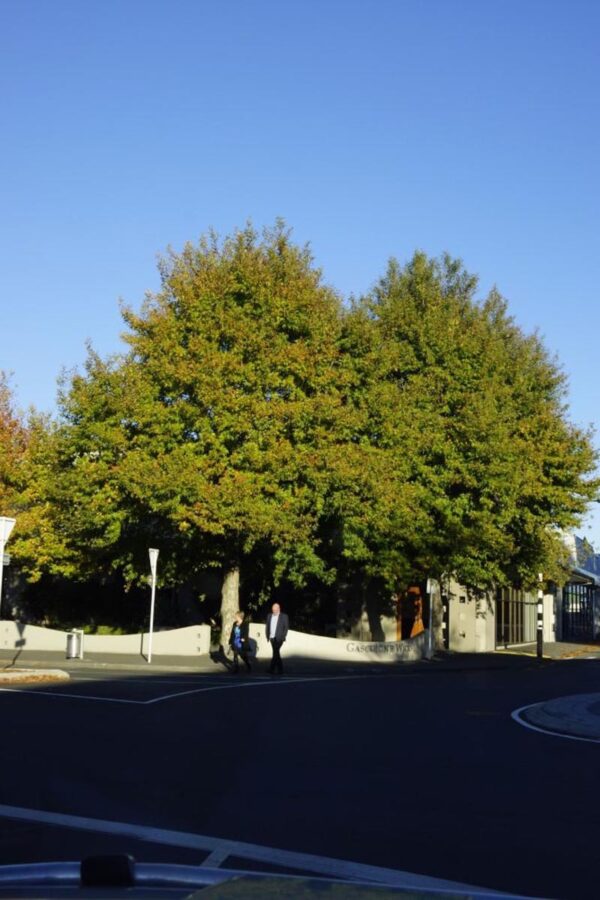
(471,621)
(350,650)
(549,619)
(361,629)
(189,641)
(195,640)
(15,636)
(389,627)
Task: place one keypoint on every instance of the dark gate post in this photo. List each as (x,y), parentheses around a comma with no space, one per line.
(446,620)
(540,619)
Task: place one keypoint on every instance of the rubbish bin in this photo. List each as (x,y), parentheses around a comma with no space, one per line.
(75,644)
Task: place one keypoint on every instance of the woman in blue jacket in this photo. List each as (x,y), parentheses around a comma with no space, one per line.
(239,642)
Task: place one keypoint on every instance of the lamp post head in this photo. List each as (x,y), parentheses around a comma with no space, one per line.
(6,526)
(153,554)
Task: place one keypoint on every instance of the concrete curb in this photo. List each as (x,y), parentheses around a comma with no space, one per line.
(29,676)
(576,716)
(137,667)
(295,666)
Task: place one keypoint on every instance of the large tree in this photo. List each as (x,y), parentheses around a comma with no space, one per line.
(13,442)
(211,435)
(475,467)
(418,433)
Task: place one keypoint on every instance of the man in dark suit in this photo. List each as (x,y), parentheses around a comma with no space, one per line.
(276,633)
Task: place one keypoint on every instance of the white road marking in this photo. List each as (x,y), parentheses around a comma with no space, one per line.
(221,849)
(214,859)
(233,685)
(569,737)
(44,693)
(250,684)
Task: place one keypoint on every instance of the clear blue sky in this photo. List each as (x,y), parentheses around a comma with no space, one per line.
(373,127)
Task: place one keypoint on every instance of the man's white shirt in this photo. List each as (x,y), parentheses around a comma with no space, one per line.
(273,628)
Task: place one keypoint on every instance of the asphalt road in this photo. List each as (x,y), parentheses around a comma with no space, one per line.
(420,772)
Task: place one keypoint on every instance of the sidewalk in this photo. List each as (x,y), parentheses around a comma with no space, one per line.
(107,661)
(556,650)
(294,665)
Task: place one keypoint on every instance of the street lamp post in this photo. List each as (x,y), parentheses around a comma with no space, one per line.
(153,553)
(6,526)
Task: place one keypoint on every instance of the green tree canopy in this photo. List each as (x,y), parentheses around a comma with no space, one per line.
(13,442)
(210,436)
(417,433)
(466,416)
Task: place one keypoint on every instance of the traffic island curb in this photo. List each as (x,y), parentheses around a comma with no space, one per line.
(32,676)
(576,716)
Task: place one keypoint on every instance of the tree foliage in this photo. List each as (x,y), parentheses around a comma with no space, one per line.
(483,467)
(13,441)
(209,436)
(253,417)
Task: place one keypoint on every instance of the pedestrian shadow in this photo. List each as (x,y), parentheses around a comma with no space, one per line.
(219,657)
(19,644)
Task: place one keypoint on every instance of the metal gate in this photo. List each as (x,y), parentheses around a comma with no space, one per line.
(515,618)
(578,612)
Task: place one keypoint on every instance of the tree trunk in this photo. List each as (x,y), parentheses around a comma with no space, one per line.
(230,602)
(374,615)
(438,616)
